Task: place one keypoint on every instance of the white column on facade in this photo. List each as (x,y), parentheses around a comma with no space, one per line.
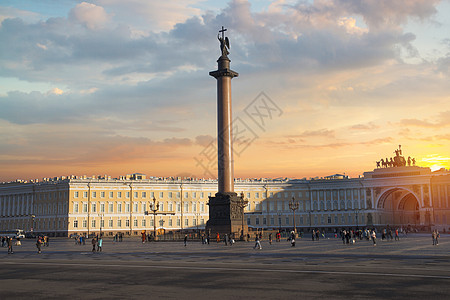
(13,206)
(332,200)
(346,200)
(422,204)
(22,208)
(353,198)
(27,203)
(365,198)
(430,195)
(372,198)
(339,199)
(325,199)
(440,202)
(359,197)
(310,200)
(446,196)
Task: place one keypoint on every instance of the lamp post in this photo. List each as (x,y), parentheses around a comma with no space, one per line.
(242,203)
(154,207)
(293,205)
(356,218)
(101,223)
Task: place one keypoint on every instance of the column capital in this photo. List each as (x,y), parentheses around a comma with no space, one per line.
(223,73)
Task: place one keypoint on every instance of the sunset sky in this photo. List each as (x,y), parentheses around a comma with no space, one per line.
(117,87)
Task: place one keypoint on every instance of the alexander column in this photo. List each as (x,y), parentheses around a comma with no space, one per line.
(225,215)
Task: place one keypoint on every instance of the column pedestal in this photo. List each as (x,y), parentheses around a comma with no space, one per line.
(225,215)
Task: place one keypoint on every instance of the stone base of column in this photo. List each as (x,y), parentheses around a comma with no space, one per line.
(225,216)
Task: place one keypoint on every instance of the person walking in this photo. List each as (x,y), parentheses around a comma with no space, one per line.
(10,245)
(231,239)
(94,243)
(38,245)
(99,244)
(270,238)
(433,237)
(257,243)
(185,240)
(374,237)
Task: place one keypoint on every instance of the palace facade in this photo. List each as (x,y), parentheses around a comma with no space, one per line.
(395,196)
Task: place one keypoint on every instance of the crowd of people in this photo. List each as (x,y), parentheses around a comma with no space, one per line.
(348,236)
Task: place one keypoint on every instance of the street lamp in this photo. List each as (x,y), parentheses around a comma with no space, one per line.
(294,206)
(356,218)
(154,207)
(101,223)
(242,203)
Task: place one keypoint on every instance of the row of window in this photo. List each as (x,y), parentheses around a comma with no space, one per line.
(257,195)
(304,205)
(38,224)
(144,195)
(143,206)
(305,221)
(119,223)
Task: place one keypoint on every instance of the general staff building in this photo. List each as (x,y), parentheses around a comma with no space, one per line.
(395,196)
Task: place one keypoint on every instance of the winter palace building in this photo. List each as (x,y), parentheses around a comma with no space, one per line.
(396,196)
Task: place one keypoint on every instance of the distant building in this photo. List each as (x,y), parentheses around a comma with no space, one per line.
(396,196)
